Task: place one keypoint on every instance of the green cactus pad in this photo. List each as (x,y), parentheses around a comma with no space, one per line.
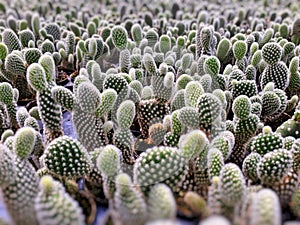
(66,157)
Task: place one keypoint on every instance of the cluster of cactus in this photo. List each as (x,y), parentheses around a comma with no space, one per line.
(193,105)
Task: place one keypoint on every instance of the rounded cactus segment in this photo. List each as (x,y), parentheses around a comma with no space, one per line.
(250,166)
(267,141)
(265,208)
(53,205)
(119,37)
(232,185)
(3,51)
(271,53)
(224,142)
(129,202)
(239,49)
(6,93)
(116,82)
(136,33)
(36,77)
(296,154)
(277,73)
(66,157)
(215,162)
(193,91)
(109,161)
(88,96)
(270,103)
(7,167)
(47,62)
(189,116)
(212,65)
(11,40)
(24,142)
(241,107)
(149,63)
(108,99)
(193,143)
(161,203)
(159,165)
(223,49)
(63,96)
(32,55)
(164,43)
(126,114)
(274,166)
(209,108)
(14,63)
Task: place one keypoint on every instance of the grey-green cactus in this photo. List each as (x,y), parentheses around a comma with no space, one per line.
(265,208)
(53,205)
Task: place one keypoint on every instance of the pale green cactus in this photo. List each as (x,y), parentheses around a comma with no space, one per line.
(53,205)
(232,185)
(215,162)
(193,144)
(24,142)
(161,203)
(88,97)
(250,166)
(129,203)
(265,208)
(159,164)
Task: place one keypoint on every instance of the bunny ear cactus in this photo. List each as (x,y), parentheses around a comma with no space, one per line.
(14,65)
(119,37)
(215,162)
(232,185)
(265,208)
(209,109)
(7,98)
(11,40)
(159,165)
(24,142)
(274,166)
(193,144)
(129,203)
(20,192)
(88,97)
(290,127)
(40,79)
(241,107)
(66,157)
(150,112)
(276,71)
(287,186)
(53,205)
(109,163)
(7,168)
(250,166)
(123,136)
(267,141)
(64,97)
(3,51)
(161,203)
(189,117)
(193,91)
